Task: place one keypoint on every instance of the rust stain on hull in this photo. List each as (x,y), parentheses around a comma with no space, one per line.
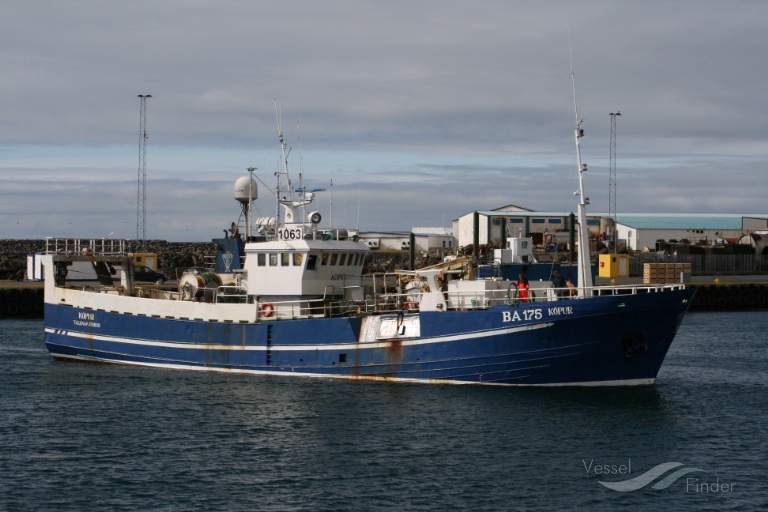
(395,350)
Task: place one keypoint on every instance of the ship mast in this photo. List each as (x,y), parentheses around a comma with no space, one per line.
(583,258)
(293,208)
(285,150)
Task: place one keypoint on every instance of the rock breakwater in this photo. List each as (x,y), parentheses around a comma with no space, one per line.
(174,257)
(170,255)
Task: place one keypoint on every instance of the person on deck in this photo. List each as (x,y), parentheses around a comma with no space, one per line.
(559,284)
(523,288)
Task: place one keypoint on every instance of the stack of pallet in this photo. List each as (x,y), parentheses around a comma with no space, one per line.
(662,273)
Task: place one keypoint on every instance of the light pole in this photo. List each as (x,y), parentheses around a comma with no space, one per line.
(612,183)
(141,199)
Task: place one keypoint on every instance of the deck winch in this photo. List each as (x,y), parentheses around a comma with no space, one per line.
(194,286)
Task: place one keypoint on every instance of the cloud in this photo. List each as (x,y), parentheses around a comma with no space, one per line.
(421,111)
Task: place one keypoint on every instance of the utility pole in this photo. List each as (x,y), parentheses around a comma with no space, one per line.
(141,199)
(612,184)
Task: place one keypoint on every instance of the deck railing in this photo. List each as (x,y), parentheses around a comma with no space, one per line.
(87,246)
(393,303)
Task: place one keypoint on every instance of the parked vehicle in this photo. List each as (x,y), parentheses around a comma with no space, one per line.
(143,273)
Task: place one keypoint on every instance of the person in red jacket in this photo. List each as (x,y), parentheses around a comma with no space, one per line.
(523,288)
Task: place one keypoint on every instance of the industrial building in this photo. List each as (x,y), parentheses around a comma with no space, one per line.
(634,231)
(424,239)
(517,221)
(638,231)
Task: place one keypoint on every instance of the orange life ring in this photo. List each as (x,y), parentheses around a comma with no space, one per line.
(267,309)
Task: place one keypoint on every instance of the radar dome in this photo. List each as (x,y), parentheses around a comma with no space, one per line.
(246,189)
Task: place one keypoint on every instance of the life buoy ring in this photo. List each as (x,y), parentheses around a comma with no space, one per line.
(267,309)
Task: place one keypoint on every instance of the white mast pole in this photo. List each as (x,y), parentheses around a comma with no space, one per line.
(331,204)
(583,258)
(285,151)
(248,218)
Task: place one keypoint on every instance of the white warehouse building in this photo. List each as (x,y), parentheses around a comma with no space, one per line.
(517,221)
(635,231)
(425,239)
(641,230)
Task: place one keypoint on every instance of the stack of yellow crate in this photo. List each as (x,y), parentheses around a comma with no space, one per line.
(663,273)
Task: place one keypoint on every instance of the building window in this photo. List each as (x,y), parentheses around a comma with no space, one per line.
(537,221)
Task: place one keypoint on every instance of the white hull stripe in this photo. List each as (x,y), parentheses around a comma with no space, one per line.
(337,346)
(604,383)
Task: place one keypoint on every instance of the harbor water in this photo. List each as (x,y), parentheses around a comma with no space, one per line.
(81,437)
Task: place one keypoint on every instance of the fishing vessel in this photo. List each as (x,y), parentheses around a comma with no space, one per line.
(290,298)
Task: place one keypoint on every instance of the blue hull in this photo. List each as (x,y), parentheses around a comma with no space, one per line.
(610,340)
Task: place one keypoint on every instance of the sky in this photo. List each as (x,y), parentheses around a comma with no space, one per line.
(409,113)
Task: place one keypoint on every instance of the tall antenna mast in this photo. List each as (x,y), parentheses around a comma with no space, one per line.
(301,158)
(285,150)
(583,260)
(612,184)
(141,199)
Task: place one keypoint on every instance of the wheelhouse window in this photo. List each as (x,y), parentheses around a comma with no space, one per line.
(285,259)
(312,262)
(324,259)
(261,259)
(334,258)
(342,259)
(298,259)
(273,259)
